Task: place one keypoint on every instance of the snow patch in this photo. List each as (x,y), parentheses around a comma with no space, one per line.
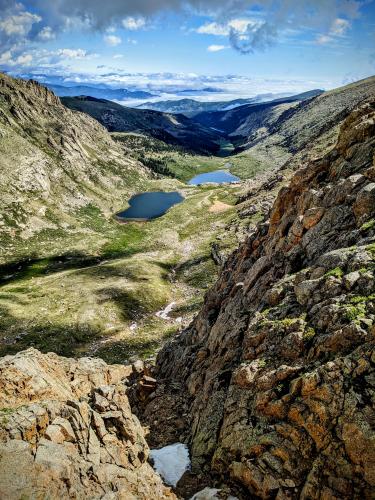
(210,494)
(164,313)
(171,462)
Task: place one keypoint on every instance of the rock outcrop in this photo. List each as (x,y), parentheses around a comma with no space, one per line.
(67,431)
(278,367)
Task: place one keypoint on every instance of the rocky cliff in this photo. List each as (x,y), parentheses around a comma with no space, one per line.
(277,370)
(67,431)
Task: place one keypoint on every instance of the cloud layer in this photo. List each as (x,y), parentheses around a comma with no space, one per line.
(38,18)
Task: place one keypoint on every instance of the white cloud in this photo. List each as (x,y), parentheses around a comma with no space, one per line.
(112,40)
(72,53)
(5,57)
(24,59)
(132,41)
(239,25)
(46,34)
(213,29)
(228,87)
(133,23)
(338,29)
(118,56)
(323,39)
(217,48)
(19,24)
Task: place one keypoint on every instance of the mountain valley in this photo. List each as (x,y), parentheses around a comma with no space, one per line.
(240,322)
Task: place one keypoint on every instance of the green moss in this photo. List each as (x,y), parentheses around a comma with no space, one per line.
(358,299)
(288,321)
(368,225)
(337,272)
(371,248)
(6,411)
(4,415)
(309,333)
(355,312)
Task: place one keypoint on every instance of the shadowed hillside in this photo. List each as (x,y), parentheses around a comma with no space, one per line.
(173,129)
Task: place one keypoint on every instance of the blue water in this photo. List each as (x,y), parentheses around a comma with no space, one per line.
(218,176)
(146,206)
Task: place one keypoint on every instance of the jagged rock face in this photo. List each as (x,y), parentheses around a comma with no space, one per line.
(67,431)
(279,364)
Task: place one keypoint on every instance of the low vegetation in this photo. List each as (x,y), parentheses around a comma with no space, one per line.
(99,295)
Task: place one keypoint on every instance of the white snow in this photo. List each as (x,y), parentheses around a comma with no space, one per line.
(171,462)
(164,313)
(210,494)
(206,494)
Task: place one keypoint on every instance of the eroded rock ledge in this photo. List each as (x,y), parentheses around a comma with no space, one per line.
(67,431)
(278,367)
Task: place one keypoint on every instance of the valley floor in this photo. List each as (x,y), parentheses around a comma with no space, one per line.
(98,293)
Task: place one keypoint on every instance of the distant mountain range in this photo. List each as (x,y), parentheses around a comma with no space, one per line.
(174,129)
(273,131)
(206,90)
(238,121)
(191,107)
(99,93)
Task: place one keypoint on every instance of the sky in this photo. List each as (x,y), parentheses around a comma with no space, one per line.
(239,47)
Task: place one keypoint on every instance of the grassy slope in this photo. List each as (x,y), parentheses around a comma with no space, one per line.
(74,304)
(53,164)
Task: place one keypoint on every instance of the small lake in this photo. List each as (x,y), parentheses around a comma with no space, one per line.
(218,177)
(150,205)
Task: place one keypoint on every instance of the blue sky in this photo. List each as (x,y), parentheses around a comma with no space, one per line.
(239,46)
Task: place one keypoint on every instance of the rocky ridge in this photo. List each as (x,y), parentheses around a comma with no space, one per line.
(67,431)
(278,367)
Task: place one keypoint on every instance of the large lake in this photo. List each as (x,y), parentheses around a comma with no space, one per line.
(146,206)
(218,177)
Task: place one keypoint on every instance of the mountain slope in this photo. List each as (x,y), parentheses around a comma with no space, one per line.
(173,129)
(234,120)
(53,163)
(312,125)
(273,132)
(276,373)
